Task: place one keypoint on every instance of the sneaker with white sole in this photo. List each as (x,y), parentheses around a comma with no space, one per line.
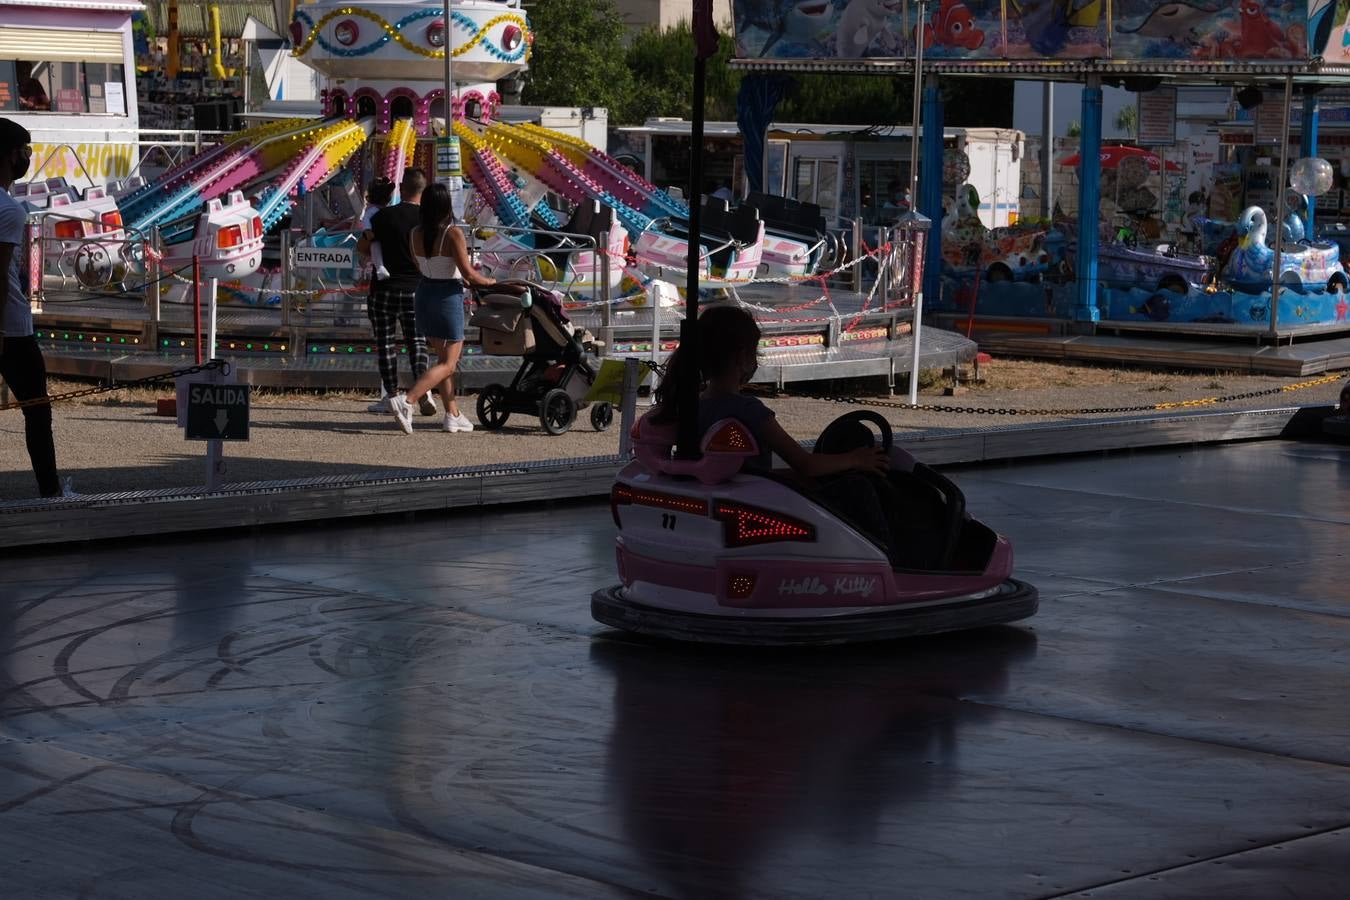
(427,406)
(380,406)
(402,411)
(456,423)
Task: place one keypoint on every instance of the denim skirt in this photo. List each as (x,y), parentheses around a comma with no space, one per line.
(439,308)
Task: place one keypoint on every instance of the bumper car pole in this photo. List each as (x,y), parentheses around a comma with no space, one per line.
(705,45)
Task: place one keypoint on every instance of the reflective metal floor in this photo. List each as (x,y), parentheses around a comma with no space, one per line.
(424,709)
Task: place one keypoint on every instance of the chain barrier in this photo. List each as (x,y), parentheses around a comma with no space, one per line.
(1085,411)
(110,388)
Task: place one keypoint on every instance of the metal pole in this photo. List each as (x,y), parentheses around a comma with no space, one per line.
(688,387)
(449,68)
(286,277)
(655,300)
(1308,147)
(153,296)
(1162,188)
(213,285)
(602,273)
(913,204)
(1279,207)
(914,115)
(1089,201)
(197,307)
(857,251)
(214,446)
(1048,149)
(455,182)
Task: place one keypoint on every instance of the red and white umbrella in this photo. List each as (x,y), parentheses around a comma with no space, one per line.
(1112,157)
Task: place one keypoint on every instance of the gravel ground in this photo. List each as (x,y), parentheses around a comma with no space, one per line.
(116,442)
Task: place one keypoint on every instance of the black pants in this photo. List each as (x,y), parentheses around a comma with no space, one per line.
(22,368)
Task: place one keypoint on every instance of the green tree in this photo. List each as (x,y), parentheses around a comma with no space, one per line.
(1127,120)
(578,56)
(662,64)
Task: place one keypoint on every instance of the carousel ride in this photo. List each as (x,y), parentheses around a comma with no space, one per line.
(1143,276)
(540,205)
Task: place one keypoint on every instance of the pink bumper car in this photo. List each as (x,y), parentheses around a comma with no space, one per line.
(711,554)
(1338,423)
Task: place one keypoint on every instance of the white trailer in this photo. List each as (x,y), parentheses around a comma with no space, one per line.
(851,171)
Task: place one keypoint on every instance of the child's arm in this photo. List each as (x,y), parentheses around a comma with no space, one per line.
(377,260)
(815,465)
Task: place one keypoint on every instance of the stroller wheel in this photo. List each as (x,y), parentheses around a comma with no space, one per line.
(492,409)
(557,411)
(602,416)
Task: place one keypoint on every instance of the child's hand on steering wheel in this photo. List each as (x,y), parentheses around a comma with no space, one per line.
(870,459)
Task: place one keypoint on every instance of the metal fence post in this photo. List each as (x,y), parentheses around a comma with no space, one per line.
(151,252)
(197,307)
(37,264)
(606,313)
(213,285)
(632,378)
(285,277)
(857,250)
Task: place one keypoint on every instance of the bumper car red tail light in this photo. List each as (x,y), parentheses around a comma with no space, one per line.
(619,495)
(623,495)
(745,526)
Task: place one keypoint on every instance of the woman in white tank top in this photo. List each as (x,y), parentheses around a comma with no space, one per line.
(443,259)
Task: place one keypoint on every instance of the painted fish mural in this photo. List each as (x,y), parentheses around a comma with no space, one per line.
(861,24)
(1038,29)
(1181,23)
(952,25)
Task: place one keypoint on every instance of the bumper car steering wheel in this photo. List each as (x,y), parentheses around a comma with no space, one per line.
(848,432)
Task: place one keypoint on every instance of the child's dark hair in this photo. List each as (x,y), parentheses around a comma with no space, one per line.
(725,335)
(380,191)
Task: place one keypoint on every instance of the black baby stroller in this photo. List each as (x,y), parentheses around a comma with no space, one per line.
(554,374)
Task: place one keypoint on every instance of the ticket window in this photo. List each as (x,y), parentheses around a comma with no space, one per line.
(65,86)
(33,85)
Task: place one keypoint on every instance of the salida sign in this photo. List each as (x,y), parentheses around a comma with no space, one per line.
(217,412)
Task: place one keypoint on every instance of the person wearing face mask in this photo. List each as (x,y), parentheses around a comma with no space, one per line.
(21,363)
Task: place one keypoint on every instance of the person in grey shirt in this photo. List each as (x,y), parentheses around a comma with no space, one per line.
(21,363)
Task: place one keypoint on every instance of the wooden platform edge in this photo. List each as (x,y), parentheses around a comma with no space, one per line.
(148,513)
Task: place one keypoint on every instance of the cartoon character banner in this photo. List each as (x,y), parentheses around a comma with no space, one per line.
(1200,30)
(1329,30)
(1208,30)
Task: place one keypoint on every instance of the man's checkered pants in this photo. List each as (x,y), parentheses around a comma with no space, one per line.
(390,307)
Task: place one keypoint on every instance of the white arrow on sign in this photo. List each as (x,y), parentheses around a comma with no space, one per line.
(222,419)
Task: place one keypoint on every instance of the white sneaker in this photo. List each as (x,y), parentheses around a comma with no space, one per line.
(456,423)
(380,406)
(402,411)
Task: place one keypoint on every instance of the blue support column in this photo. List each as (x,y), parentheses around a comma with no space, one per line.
(1089,200)
(1308,147)
(930,189)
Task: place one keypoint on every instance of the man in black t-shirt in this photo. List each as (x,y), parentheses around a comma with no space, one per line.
(391,302)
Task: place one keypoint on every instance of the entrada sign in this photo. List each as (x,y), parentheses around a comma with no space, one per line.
(324,257)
